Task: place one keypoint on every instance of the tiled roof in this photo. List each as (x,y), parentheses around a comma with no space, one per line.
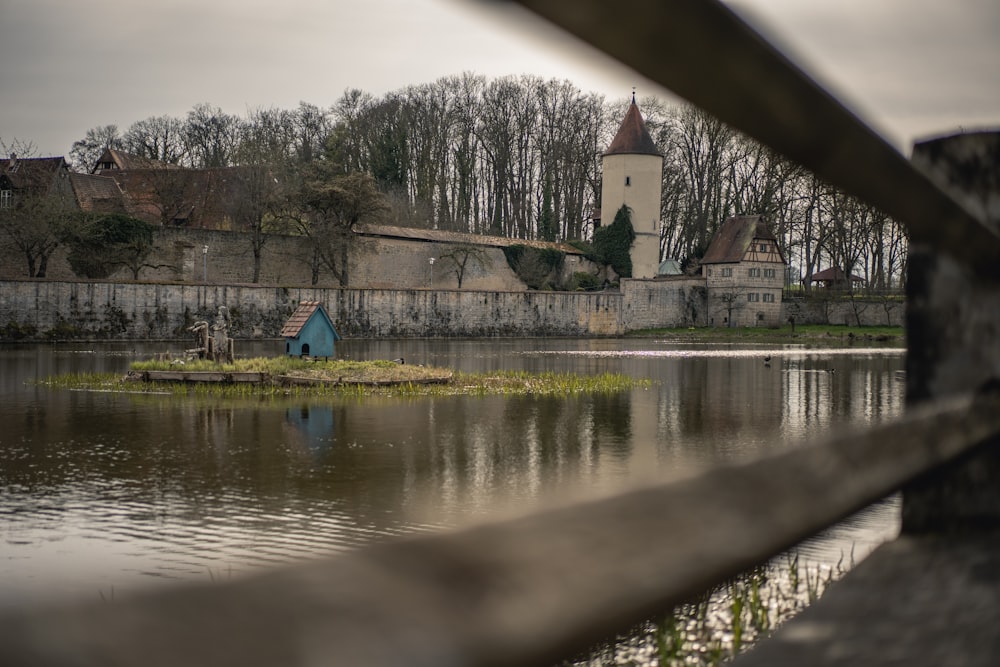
(33,173)
(97,193)
(293,327)
(439,236)
(201,198)
(834,274)
(124,161)
(632,137)
(731,242)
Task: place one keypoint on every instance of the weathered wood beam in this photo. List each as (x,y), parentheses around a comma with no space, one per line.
(917,600)
(953,331)
(527,591)
(702,51)
(932,596)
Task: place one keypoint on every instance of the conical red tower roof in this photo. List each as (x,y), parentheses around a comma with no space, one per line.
(632,137)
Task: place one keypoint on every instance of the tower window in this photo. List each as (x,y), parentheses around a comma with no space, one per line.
(628,181)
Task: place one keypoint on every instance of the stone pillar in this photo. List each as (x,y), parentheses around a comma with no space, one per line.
(953,331)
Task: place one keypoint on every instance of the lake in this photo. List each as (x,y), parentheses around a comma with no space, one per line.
(103,494)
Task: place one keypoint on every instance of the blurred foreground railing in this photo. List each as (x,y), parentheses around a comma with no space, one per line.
(533,590)
(523,592)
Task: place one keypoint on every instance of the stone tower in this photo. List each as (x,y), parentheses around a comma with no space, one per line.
(632,175)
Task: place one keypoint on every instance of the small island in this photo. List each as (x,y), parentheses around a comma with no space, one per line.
(276,377)
(288,371)
(210,368)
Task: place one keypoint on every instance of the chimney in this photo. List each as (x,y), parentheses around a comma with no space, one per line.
(13,161)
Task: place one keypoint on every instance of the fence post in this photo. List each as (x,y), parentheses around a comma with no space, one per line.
(953,331)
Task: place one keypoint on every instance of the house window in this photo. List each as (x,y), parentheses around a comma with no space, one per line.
(709,273)
(628,181)
(762,247)
(768,298)
(753,273)
(753,296)
(5,196)
(768,273)
(726,272)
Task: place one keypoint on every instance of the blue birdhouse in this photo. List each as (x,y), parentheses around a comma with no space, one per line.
(309,332)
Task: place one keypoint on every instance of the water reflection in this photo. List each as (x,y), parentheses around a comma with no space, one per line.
(102,489)
(314,423)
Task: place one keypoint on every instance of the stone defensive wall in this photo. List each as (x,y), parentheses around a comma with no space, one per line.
(867,311)
(43,309)
(47,309)
(199,256)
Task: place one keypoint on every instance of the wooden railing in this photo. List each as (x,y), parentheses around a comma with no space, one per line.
(536,589)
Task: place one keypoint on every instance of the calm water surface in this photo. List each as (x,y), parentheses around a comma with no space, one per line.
(104,494)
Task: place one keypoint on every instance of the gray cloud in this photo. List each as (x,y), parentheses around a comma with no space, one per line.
(913,67)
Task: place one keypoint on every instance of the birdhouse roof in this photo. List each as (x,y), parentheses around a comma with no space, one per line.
(306,309)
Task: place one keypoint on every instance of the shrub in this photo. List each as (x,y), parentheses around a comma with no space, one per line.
(581,280)
(15,331)
(534,266)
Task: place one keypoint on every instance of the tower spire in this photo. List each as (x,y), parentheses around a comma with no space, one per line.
(632,136)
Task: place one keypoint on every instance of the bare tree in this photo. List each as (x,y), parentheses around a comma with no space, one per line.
(212,137)
(504,133)
(462,178)
(262,180)
(429,121)
(731,301)
(85,152)
(158,138)
(310,128)
(703,145)
(333,202)
(20,147)
(34,225)
(461,255)
(569,134)
(850,224)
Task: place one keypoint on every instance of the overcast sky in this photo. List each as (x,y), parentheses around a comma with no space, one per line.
(912,68)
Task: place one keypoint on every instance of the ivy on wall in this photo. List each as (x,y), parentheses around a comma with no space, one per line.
(538,268)
(613,243)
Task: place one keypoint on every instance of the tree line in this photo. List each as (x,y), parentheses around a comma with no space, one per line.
(518,157)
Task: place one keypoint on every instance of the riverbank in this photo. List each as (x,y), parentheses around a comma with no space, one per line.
(810,333)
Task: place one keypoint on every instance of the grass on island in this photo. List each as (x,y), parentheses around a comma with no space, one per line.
(344,371)
(801,333)
(347,378)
